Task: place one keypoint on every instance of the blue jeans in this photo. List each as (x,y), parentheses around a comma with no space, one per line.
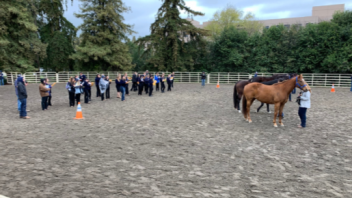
(289,97)
(203,82)
(351,86)
(294,91)
(23,111)
(123,91)
(2,82)
(18,104)
(44,102)
(302,114)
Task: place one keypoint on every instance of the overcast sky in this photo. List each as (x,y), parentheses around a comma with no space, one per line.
(143,11)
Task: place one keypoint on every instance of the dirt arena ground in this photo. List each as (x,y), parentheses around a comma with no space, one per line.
(186,143)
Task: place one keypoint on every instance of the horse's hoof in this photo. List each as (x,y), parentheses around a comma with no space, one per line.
(275,125)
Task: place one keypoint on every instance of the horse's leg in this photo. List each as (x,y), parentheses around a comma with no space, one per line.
(280,113)
(239,106)
(277,108)
(249,104)
(267,108)
(260,107)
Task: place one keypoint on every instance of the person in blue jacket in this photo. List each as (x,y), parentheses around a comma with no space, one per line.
(87,91)
(256,74)
(169,83)
(97,80)
(151,81)
(1,79)
(157,79)
(82,77)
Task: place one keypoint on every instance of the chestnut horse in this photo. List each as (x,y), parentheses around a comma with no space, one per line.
(271,94)
(239,86)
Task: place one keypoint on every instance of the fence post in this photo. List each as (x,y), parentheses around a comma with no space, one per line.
(198,77)
(250,76)
(325,80)
(208,78)
(13,82)
(339,80)
(57,77)
(228,78)
(238,76)
(312,79)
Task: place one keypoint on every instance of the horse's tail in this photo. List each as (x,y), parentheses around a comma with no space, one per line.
(244,105)
(235,100)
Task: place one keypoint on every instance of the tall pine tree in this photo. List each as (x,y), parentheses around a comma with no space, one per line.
(103,33)
(167,40)
(20,45)
(58,33)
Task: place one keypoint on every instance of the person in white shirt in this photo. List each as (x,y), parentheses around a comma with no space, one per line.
(304,105)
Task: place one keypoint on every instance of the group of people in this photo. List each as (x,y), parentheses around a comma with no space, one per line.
(139,82)
(21,93)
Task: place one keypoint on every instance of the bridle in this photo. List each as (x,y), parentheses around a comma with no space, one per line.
(300,86)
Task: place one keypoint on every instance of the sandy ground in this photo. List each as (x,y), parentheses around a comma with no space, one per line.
(186,143)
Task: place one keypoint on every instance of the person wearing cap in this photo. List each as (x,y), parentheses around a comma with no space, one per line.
(256,74)
(1,79)
(204,76)
(44,93)
(22,96)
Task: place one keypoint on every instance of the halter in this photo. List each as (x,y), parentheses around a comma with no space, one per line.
(300,86)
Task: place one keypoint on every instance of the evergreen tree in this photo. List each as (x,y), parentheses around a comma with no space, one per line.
(59,33)
(20,45)
(167,41)
(103,31)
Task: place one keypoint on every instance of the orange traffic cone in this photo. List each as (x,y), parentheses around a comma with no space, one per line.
(218,85)
(79,114)
(332,88)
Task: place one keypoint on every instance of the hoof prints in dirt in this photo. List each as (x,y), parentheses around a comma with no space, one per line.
(186,143)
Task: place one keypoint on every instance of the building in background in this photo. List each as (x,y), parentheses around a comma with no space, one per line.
(319,14)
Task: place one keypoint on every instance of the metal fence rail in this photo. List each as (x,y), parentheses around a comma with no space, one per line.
(313,79)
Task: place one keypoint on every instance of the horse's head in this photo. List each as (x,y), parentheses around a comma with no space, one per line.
(301,83)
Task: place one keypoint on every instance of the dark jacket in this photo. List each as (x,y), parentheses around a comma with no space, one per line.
(86,86)
(204,76)
(168,80)
(150,83)
(134,78)
(123,83)
(22,92)
(97,80)
(72,88)
(82,78)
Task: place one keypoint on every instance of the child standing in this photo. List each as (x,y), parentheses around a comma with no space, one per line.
(162,80)
(87,91)
(151,81)
(123,88)
(157,79)
(44,93)
(118,85)
(169,83)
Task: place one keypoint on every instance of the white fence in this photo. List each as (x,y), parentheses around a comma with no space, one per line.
(314,79)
